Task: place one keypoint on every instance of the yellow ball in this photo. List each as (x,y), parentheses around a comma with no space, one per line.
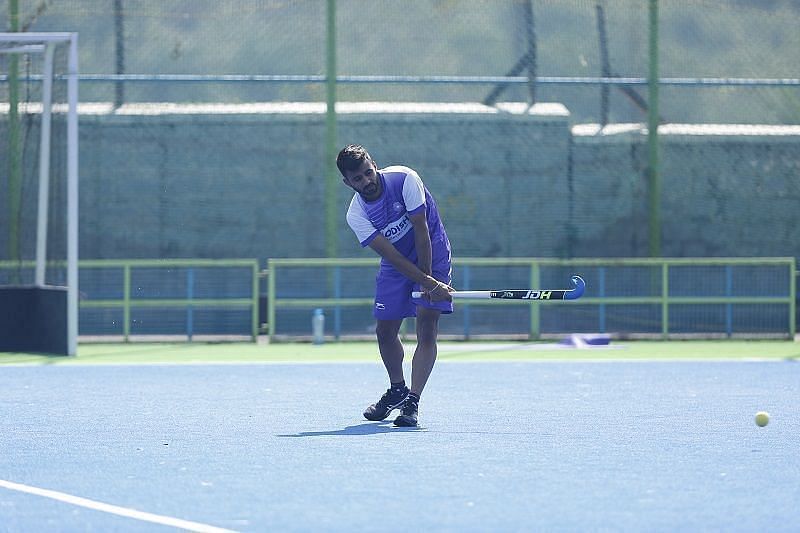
(762,418)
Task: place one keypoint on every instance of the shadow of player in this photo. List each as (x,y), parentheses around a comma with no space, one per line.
(367,428)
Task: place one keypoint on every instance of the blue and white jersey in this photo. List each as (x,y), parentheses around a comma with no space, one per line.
(403,194)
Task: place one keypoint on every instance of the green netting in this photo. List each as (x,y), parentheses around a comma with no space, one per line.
(697,38)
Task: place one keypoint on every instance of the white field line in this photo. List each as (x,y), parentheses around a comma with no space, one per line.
(113,509)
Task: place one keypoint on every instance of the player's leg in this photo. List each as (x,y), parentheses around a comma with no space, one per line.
(425,353)
(390,348)
(392,305)
(428,314)
(421,365)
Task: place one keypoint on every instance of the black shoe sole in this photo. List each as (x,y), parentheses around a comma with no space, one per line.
(405,421)
(374,418)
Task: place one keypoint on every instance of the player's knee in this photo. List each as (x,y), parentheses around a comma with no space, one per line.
(427,332)
(427,337)
(386,332)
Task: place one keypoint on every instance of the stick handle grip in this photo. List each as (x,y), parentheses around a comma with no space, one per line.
(461,294)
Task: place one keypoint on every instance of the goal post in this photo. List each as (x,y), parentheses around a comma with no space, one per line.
(39,259)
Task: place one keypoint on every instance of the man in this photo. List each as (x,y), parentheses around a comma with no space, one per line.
(394,214)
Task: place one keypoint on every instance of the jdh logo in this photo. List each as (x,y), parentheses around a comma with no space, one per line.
(523,295)
(537,295)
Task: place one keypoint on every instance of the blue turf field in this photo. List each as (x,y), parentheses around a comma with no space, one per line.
(509,446)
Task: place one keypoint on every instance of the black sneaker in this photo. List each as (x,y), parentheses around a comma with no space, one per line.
(391,400)
(408,413)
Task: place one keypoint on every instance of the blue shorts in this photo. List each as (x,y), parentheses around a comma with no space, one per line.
(393,293)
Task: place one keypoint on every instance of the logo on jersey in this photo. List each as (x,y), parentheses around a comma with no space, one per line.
(379,305)
(397,229)
(398,207)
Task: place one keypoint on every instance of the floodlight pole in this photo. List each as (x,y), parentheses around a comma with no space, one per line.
(654,179)
(331,176)
(119,53)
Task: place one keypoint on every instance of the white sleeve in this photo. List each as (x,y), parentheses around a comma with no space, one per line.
(413,191)
(359,223)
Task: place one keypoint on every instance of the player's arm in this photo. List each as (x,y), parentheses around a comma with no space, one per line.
(414,199)
(386,249)
(422,241)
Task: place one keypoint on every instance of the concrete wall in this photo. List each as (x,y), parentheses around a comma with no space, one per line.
(253,185)
(511,183)
(726,191)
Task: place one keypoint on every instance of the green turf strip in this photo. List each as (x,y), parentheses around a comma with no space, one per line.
(367,351)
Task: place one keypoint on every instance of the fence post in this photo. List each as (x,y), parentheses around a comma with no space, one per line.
(337,310)
(126,299)
(189,306)
(254,317)
(793,273)
(665,300)
(601,290)
(465,284)
(270,299)
(729,306)
(535,309)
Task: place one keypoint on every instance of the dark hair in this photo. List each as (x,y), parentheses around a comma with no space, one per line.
(351,157)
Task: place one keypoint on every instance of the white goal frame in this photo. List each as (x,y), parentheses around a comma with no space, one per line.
(44,43)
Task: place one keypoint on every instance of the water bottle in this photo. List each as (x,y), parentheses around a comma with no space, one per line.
(318,326)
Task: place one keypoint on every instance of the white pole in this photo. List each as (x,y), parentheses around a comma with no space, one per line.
(72,197)
(44,165)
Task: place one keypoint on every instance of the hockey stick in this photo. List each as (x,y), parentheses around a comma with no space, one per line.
(523,294)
